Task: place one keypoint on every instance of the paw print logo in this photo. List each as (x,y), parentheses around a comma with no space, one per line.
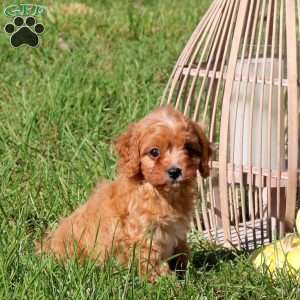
(24,32)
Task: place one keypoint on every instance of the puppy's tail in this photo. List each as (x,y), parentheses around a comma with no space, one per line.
(38,247)
(44,245)
(53,242)
(60,242)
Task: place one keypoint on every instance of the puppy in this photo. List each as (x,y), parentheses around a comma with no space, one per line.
(149,207)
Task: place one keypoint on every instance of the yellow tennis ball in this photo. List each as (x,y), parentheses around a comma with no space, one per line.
(284,253)
(270,256)
(298,221)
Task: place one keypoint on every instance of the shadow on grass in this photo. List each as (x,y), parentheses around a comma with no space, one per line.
(207,255)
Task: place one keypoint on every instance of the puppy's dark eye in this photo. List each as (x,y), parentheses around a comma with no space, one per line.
(192,149)
(154,153)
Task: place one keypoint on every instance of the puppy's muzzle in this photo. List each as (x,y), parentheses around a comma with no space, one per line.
(174,173)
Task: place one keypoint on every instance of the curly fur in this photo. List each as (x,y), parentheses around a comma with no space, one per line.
(143,208)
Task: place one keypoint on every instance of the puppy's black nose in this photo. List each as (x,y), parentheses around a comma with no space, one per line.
(174,172)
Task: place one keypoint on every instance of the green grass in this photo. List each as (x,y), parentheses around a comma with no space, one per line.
(61,105)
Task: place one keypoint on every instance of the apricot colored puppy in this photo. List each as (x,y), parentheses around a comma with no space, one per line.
(149,206)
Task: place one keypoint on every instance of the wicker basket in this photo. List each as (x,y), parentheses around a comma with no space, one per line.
(239,75)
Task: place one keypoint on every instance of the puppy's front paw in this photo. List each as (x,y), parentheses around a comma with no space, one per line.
(161,271)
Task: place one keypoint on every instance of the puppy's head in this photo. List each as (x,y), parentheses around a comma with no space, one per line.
(165,148)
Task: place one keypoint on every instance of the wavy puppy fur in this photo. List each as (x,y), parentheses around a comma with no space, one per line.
(149,206)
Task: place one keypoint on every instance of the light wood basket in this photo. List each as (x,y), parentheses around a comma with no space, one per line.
(239,75)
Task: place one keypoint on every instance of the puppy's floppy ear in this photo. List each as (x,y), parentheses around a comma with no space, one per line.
(206,149)
(128,150)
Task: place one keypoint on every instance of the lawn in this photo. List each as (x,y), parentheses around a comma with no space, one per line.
(99,67)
